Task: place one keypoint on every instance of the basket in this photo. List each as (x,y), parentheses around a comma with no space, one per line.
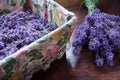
(40,53)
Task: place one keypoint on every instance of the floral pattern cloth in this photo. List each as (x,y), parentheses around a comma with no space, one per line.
(39,54)
(7,6)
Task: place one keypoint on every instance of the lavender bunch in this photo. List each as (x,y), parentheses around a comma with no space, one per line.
(18,29)
(101,33)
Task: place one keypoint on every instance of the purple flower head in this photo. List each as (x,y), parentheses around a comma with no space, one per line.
(98,60)
(94,44)
(20,28)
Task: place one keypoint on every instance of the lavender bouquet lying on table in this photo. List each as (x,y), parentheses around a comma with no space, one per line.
(100,32)
(18,29)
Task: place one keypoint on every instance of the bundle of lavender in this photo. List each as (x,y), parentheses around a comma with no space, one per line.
(100,32)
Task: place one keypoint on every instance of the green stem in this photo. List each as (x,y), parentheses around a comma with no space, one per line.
(91,5)
(81,4)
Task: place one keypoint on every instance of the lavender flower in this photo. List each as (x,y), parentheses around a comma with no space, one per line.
(101,33)
(19,29)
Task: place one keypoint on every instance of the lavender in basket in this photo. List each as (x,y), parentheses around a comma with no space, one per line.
(18,29)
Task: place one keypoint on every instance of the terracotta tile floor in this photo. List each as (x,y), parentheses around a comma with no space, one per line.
(86,69)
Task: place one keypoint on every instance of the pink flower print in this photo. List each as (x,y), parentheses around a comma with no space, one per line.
(46,16)
(53,51)
(69,34)
(48,52)
(20,8)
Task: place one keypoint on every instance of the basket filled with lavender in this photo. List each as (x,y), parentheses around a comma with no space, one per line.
(32,38)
